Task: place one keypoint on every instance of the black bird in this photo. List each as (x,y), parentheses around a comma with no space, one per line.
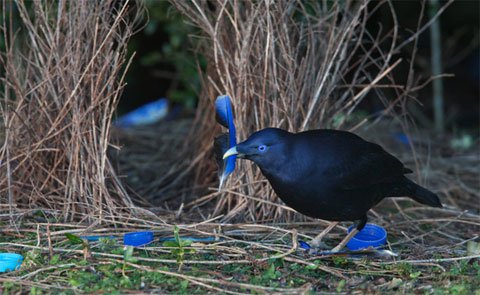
(330,174)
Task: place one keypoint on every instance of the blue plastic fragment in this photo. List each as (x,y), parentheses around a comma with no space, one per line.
(193,239)
(138,238)
(224,116)
(304,245)
(147,114)
(96,238)
(10,261)
(371,235)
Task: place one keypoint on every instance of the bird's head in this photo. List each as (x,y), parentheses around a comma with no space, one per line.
(262,147)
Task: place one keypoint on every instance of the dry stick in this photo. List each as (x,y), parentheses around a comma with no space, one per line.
(378,78)
(426,26)
(437,260)
(261,200)
(33,273)
(32,284)
(449,221)
(332,60)
(49,241)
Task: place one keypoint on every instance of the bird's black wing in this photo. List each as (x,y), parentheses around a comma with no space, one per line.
(356,163)
(368,165)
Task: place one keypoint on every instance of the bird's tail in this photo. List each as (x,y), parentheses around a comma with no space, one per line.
(423,195)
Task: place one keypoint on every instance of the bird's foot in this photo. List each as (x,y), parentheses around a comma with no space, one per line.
(337,248)
(318,245)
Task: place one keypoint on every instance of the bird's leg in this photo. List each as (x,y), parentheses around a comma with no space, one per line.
(316,242)
(345,240)
(359,227)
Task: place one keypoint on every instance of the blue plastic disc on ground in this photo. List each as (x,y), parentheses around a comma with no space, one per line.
(10,261)
(138,238)
(371,235)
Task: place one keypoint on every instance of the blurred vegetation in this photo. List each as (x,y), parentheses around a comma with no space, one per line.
(165,64)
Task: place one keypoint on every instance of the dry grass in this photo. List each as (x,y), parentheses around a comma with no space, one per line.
(296,66)
(64,72)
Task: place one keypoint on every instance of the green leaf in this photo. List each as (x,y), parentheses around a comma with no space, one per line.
(74,282)
(311,266)
(176,235)
(55,259)
(270,273)
(341,285)
(128,254)
(185,243)
(171,244)
(189,251)
(184,284)
(415,275)
(75,240)
(473,248)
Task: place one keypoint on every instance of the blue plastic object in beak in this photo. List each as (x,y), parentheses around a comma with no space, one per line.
(224,116)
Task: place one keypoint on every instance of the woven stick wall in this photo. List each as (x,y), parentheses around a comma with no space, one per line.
(285,64)
(63,77)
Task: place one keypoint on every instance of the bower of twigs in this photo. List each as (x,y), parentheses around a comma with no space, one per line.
(285,64)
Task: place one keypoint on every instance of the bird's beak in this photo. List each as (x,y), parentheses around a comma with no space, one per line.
(230,152)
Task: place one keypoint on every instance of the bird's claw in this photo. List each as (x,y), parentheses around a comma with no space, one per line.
(318,245)
(336,249)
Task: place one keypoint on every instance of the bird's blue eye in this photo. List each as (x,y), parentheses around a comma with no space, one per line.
(262,148)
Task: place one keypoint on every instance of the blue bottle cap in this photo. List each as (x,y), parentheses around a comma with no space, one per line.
(138,238)
(10,261)
(371,235)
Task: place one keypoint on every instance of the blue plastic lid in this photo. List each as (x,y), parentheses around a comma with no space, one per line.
(138,238)
(371,235)
(10,261)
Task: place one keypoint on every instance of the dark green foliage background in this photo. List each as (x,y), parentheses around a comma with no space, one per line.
(165,64)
